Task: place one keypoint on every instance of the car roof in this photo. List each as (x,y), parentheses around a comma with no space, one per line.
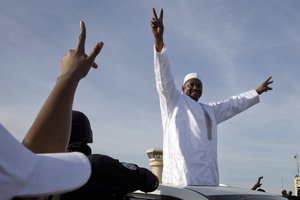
(173,191)
(203,192)
(223,190)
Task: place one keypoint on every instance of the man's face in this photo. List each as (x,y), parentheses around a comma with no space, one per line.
(193,88)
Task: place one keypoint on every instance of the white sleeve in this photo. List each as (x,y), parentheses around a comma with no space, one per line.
(165,85)
(234,105)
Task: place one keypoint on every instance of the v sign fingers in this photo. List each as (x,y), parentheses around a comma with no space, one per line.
(157,28)
(76,63)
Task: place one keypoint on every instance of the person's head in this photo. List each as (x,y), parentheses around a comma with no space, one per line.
(81,133)
(81,130)
(24,174)
(192,86)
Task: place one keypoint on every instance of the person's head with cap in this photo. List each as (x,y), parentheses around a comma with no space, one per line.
(192,86)
(24,174)
(81,133)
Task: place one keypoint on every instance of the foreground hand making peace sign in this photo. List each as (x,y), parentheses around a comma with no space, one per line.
(50,132)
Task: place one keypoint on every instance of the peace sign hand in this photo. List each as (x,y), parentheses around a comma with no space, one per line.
(76,63)
(158,29)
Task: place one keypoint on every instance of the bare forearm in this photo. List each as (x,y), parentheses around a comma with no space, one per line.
(49,128)
(50,131)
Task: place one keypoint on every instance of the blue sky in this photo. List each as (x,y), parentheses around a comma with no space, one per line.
(233,45)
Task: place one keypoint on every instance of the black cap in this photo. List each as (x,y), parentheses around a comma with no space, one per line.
(81,129)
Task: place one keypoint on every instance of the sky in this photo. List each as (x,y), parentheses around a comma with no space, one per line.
(233,45)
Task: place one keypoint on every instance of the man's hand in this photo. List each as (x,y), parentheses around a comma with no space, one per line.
(158,29)
(264,87)
(258,181)
(76,62)
(50,131)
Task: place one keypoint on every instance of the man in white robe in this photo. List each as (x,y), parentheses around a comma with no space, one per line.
(189,127)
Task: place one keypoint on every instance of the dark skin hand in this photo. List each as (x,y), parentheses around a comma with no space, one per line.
(257,184)
(264,87)
(50,131)
(158,29)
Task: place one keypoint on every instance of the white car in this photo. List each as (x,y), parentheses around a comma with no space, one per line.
(166,192)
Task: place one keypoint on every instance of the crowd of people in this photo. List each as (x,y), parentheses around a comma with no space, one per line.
(55,160)
(289,195)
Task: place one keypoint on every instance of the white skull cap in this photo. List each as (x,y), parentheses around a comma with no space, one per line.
(190,76)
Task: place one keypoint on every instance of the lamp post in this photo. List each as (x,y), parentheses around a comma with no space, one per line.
(297,178)
(297,163)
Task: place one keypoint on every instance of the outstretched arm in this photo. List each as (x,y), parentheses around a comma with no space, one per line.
(158,29)
(50,131)
(264,87)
